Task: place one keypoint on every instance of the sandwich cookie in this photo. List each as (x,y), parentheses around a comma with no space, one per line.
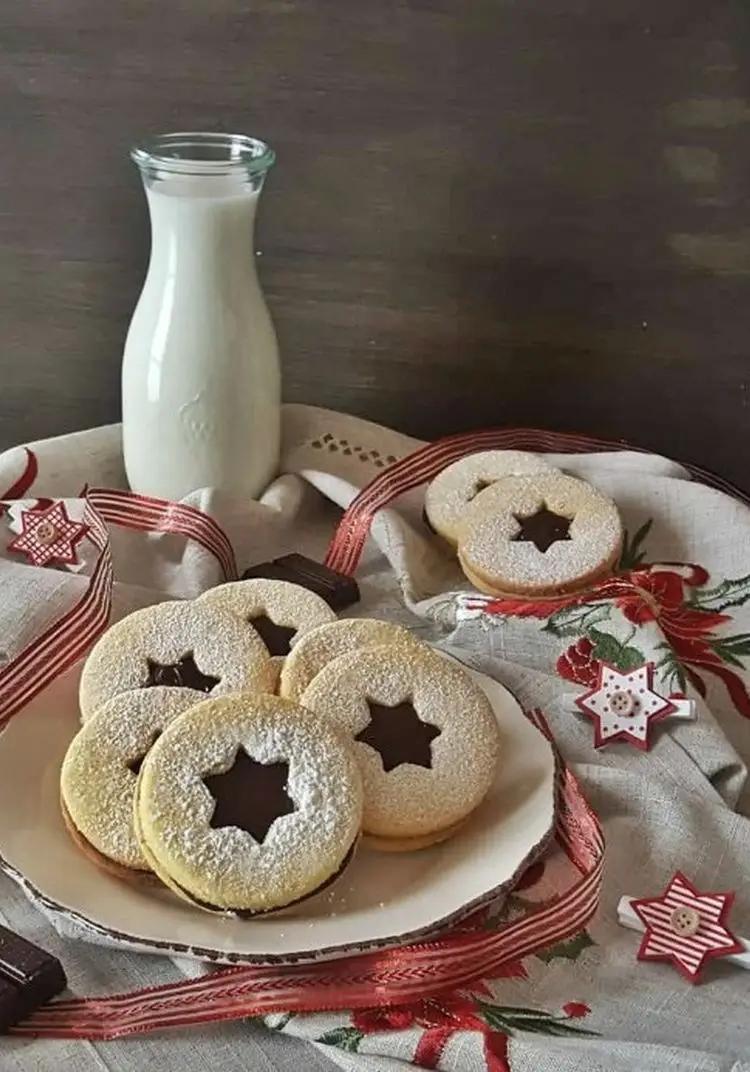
(425,735)
(100,770)
(248,804)
(539,536)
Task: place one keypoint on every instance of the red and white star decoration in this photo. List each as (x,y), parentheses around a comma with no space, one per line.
(48,535)
(686,927)
(623,706)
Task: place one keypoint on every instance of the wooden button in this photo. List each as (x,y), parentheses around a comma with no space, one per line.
(45,533)
(685,921)
(621,703)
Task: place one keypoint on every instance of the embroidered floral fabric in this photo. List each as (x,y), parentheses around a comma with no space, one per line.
(681,600)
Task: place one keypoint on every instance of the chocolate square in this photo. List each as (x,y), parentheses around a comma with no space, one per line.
(29,977)
(338,590)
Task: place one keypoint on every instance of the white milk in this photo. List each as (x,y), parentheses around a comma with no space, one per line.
(200,380)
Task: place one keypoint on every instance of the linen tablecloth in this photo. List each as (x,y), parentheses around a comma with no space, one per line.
(586,1004)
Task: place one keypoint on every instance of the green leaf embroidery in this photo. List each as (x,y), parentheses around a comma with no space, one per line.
(508,1019)
(576,621)
(346,1038)
(632,554)
(670,668)
(617,653)
(554,1027)
(570,949)
(730,593)
(729,649)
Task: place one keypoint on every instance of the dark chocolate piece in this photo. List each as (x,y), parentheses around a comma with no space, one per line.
(267,571)
(250,795)
(543,528)
(399,735)
(277,638)
(182,674)
(28,978)
(338,590)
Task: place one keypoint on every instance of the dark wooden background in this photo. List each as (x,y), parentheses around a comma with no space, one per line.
(505,212)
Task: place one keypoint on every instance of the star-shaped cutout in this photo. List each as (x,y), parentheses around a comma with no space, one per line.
(48,535)
(543,528)
(623,706)
(250,795)
(686,926)
(182,674)
(277,638)
(398,735)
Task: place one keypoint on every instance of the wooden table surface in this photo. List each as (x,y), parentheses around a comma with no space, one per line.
(483,213)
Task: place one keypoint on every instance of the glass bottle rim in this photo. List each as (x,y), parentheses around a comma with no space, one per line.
(203,153)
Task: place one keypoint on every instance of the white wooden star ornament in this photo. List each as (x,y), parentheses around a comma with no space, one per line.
(624,705)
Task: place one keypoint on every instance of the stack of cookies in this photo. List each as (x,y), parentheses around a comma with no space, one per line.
(520,527)
(236,748)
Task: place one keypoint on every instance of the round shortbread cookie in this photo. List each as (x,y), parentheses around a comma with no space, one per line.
(100,770)
(539,536)
(322,645)
(248,804)
(180,643)
(281,612)
(452,490)
(425,736)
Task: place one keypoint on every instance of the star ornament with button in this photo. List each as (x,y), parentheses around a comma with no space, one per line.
(48,535)
(686,927)
(623,706)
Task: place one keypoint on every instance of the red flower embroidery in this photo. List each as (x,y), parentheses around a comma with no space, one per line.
(655,593)
(578,663)
(576,1009)
(441,1017)
(658,594)
(396,1018)
(444,1015)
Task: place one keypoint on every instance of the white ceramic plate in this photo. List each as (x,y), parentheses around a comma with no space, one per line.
(384,899)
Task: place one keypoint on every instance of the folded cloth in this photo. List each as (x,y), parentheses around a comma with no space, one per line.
(684,605)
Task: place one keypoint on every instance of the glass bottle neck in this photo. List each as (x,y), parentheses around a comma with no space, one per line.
(203,192)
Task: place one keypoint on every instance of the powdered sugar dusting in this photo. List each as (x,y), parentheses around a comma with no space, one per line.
(451,491)
(411,800)
(226,867)
(284,603)
(488,552)
(97,784)
(322,645)
(221,645)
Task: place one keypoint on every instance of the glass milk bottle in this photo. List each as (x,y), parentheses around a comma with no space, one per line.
(200,379)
